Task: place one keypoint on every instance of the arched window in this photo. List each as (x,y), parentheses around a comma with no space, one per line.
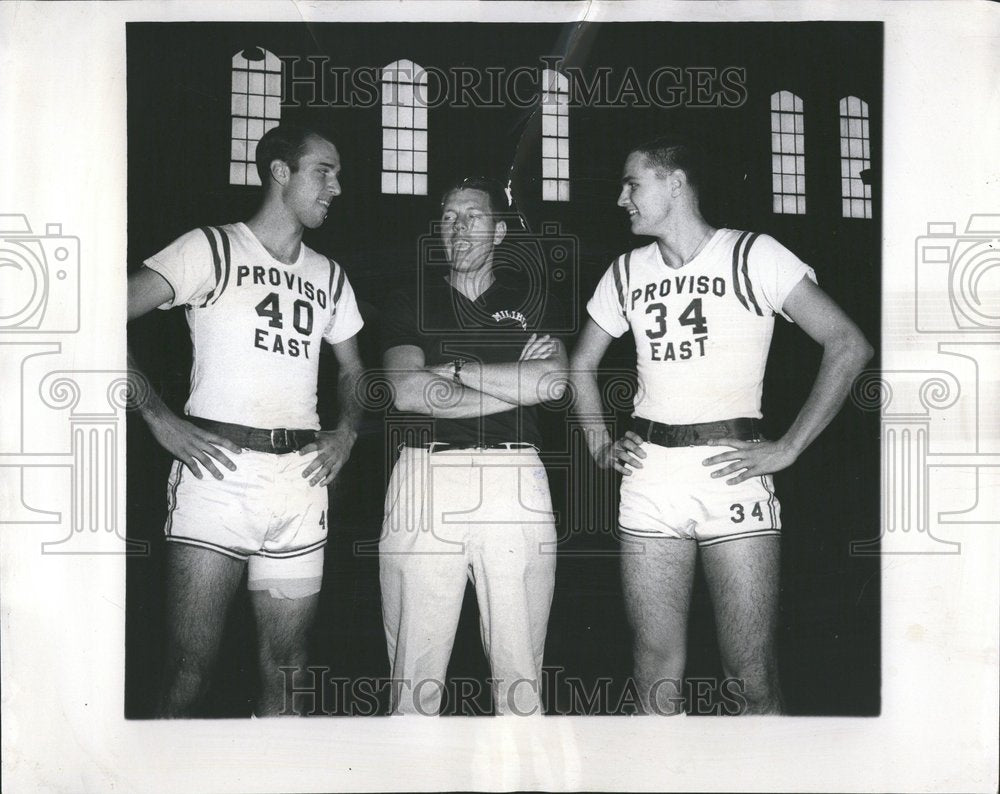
(788,154)
(404,128)
(855,157)
(256,108)
(555,136)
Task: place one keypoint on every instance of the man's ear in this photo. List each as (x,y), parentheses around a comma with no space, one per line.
(280,172)
(499,232)
(678,180)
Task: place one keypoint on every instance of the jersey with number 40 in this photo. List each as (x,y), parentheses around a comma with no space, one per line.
(702,331)
(256,324)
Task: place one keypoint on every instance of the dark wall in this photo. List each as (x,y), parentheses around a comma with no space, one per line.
(178,139)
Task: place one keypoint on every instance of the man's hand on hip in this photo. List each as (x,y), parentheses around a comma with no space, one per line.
(333,448)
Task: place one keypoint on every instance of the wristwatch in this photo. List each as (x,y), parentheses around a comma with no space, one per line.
(456,369)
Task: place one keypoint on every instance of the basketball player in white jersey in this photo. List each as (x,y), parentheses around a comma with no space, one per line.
(259,303)
(700,303)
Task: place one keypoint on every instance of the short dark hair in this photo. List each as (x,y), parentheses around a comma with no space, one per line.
(670,152)
(501,207)
(286,142)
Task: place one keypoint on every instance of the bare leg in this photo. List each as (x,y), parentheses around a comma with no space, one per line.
(657,574)
(283,626)
(742,578)
(200,587)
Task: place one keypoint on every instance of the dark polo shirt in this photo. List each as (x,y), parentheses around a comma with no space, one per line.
(446,325)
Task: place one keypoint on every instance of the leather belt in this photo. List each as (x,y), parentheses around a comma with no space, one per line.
(279,441)
(444,446)
(742,429)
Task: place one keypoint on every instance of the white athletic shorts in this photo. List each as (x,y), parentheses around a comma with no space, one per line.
(264,513)
(673,495)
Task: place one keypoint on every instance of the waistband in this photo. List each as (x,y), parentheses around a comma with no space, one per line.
(444,446)
(279,441)
(741,429)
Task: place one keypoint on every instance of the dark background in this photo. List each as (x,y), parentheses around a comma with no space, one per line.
(178,164)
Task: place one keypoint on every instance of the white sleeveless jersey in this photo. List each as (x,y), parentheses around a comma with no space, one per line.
(256,324)
(702,331)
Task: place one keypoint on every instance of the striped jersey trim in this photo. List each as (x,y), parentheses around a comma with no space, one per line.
(619,286)
(741,254)
(222,264)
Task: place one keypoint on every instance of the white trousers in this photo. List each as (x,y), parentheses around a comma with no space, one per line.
(453,516)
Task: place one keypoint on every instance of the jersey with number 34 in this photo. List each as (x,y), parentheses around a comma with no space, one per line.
(256,324)
(702,331)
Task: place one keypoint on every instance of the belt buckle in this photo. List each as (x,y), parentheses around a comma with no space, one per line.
(285,443)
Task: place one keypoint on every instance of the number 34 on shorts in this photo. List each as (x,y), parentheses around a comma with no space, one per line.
(743,512)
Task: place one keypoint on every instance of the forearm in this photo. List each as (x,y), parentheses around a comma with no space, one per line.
(842,361)
(518,382)
(347,400)
(587,404)
(147,401)
(425,393)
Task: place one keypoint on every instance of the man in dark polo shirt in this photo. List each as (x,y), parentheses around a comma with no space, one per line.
(468,358)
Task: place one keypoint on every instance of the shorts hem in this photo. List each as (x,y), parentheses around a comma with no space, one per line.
(236,555)
(652,533)
(300,552)
(739,536)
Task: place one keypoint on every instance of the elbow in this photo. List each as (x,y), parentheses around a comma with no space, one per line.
(555,381)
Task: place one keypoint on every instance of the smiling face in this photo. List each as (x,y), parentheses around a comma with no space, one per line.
(468,230)
(308,190)
(648,196)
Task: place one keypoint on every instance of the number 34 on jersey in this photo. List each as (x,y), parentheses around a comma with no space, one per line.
(676,349)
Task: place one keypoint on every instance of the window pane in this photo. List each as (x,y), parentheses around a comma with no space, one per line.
(563,169)
(800,185)
(788,184)
(239,81)
(420,184)
(404,183)
(420,141)
(563,125)
(774,101)
(272,107)
(256,82)
(846,208)
(801,202)
(406,161)
(389,182)
(238,150)
(776,204)
(857,208)
(855,128)
(868,209)
(256,106)
(563,190)
(389,139)
(549,147)
(420,162)
(564,147)
(776,183)
(800,164)
(251,151)
(255,128)
(788,204)
(405,138)
(787,122)
(272,85)
(239,104)
(389,159)
(549,191)
(237,174)
(549,125)
(252,176)
(549,168)
(775,142)
(406,117)
(854,147)
(389,115)
(420,118)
